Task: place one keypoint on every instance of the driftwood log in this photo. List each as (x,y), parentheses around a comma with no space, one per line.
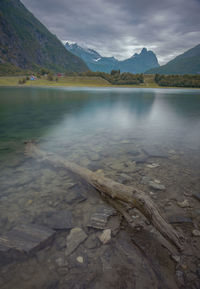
(134,197)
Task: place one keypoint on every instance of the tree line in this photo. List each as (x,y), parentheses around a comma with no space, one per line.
(114,77)
(177,80)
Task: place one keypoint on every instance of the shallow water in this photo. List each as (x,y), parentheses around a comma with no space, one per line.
(120,131)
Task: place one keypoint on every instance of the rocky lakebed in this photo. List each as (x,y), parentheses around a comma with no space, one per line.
(58,232)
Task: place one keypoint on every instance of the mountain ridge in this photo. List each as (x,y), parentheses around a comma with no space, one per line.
(185,63)
(137,63)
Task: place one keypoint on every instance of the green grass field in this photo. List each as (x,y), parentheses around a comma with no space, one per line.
(84,81)
(67,81)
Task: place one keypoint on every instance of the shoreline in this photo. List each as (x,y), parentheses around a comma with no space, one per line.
(98,86)
(81,82)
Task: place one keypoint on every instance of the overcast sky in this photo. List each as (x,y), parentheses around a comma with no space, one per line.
(122,27)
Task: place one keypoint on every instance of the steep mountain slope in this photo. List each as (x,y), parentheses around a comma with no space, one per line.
(138,63)
(26,43)
(186,63)
(93,59)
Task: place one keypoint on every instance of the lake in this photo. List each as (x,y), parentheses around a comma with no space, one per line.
(134,136)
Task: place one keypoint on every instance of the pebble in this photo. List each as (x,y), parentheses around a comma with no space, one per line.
(196,233)
(153,165)
(184,204)
(176,258)
(105,237)
(79,259)
(156,186)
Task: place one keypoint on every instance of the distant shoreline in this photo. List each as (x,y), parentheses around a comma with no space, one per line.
(76,81)
(93,86)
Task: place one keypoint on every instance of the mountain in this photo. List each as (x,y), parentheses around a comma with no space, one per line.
(93,59)
(27,44)
(186,63)
(138,63)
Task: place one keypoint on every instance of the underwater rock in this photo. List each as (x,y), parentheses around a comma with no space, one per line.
(74,239)
(80,259)
(196,233)
(99,218)
(153,165)
(26,238)
(58,220)
(156,186)
(91,242)
(105,237)
(184,204)
(140,159)
(152,151)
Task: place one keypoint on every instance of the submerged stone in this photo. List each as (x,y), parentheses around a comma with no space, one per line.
(58,220)
(184,204)
(153,165)
(152,151)
(26,238)
(140,159)
(99,218)
(156,186)
(196,233)
(74,239)
(105,237)
(79,259)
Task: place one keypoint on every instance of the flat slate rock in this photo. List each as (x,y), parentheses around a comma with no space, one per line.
(25,238)
(60,220)
(74,239)
(152,151)
(100,217)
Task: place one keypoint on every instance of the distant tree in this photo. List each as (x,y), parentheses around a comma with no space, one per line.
(50,76)
(115,72)
(44,71)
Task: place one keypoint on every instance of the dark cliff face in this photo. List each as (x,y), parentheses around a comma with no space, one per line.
(26,43)
(186,63)
(138,63)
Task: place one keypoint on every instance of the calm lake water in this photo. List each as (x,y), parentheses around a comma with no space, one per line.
(118,130)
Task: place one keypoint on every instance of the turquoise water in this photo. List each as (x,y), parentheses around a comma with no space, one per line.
(166,117)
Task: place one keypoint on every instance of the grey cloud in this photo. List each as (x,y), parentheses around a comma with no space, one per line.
(121,28)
